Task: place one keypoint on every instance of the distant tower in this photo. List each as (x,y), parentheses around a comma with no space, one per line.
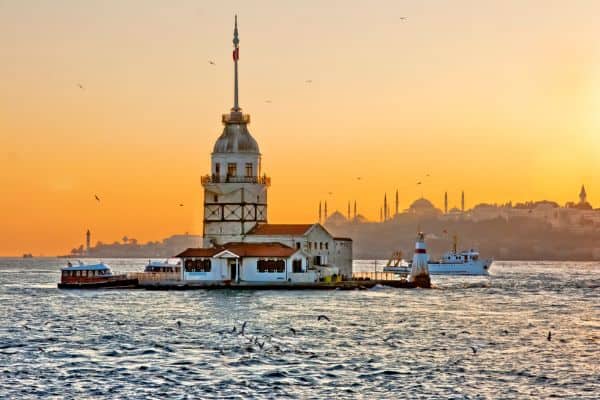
(319,212)
(385,207)
(462,201)
(88,240)
(325,215)
(397,202)
(446,203)
(348,211)
(235,193)
(380,214)
(354,209)
(582,195)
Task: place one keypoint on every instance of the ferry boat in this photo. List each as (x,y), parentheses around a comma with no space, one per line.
(91,276)
(452,262)
(162,266)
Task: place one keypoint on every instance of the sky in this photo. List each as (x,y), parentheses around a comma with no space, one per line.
(496,98)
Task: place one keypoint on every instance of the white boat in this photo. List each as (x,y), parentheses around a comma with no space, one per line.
(452,263)
(162,266)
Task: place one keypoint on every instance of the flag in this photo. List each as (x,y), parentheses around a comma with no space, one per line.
(236,54)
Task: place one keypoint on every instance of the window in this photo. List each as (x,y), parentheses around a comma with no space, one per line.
(317,260)
(248,170)
(231,169)
(215,198)
(326,245)
(298,245)
(297,266)
(280,264)
(320,245)
(198,265)
(261,266)
(218,169)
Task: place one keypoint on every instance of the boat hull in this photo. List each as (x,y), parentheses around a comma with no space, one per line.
(114,283)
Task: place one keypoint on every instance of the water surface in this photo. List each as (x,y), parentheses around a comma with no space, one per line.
(472,337)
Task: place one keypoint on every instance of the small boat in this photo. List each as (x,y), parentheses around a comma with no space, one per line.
(162,266)
(27,255)
(92,276)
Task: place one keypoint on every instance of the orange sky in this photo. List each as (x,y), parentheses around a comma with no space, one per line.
(500,99)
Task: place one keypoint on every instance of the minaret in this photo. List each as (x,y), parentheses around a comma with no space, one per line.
(462,201)
(235,193)
(445,202)
(349,211)
(397,203)
(325,216)
(319,212)
(354,209)
(88,240)
(385,207)
(380,214)
(582,195)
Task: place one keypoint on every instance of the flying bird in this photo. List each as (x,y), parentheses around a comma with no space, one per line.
(243,327)
(211,62)
(268,101)
(80,86)
(418,183)
(179,324)
(325,317)
(403,18)
(308,81)
(358,178)
(97,198)
(180,204)
(474,349)
(292,330)
(549,336)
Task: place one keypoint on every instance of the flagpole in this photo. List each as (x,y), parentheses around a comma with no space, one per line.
(236,41)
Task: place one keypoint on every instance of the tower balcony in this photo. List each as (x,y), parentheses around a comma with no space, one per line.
(261,180)
(235,117)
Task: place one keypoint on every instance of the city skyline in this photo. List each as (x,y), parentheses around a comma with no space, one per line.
(135,123)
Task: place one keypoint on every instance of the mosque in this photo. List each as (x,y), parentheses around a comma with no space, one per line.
(240,246)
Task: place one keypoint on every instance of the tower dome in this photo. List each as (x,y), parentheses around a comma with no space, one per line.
(235,137)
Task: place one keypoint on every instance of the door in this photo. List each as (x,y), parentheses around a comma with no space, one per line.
(232,270)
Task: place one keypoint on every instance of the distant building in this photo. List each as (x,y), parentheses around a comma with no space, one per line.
(423,207)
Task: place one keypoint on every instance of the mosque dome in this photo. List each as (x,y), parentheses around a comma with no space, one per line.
(423,206)
(236,139)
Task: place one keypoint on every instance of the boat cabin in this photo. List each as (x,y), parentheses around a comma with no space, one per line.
(462,257)
(162,266)
(100,270)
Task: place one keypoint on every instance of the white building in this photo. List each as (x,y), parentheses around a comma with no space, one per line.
(240,247)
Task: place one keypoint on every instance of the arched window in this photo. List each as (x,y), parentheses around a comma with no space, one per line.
(261,266)
(280,266)
(189,265)
(207,265)
(271,265)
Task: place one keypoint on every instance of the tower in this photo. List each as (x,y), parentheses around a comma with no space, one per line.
(88,240)
(235,193)
(348,211)
(325,215)
(582,195)
(354,209)
(462,201)
(397,202)
(445,202)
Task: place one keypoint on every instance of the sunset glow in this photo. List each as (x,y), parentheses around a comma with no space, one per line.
(119,100)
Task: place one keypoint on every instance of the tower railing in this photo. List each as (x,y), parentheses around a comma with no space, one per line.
(263,180)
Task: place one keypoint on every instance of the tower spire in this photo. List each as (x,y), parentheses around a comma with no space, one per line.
(236,56)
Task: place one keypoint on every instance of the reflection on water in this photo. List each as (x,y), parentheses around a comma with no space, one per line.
(472,337)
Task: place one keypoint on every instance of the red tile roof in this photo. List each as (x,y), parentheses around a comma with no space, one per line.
(243,250)
(280,229)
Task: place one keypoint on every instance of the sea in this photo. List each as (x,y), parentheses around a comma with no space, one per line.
(529,330)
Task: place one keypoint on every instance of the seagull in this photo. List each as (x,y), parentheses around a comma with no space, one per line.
(292,330)
(329,193)
(234,329)
(261,345)
(80,86)
(325,317)
(403,18)
(243,327)
(358,178)
(268,101)
(308,81)
(180,204)
(97,198)
(474,349)
(211,62)
(549,336)
(179,324)
(418,183)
